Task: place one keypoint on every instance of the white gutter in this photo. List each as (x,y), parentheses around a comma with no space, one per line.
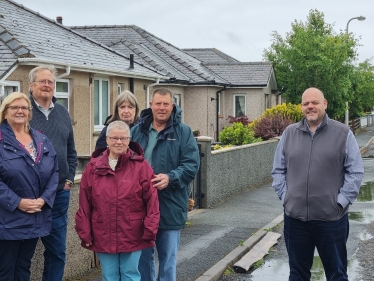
(36,61)
(150,85)
(67,72)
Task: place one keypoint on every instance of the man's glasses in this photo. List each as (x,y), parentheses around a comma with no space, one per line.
(114,139)
(45,82)
(16,108)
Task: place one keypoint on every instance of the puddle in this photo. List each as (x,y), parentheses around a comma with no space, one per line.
(279,270)
(364,217)
(365,236)
(366,192)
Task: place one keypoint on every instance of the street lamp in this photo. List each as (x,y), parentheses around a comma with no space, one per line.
(360,18)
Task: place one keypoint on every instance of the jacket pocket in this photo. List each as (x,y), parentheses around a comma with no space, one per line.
(19,219)
(137,216)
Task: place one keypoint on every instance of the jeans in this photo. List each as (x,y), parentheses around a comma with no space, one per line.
(167,243)
(15,257)
(122,266)
(330,239)
(55,242)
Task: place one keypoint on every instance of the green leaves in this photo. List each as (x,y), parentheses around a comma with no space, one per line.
(312,54)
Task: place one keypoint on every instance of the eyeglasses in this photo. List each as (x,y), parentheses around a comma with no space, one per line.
(44,82)
(16,108)
(114,139)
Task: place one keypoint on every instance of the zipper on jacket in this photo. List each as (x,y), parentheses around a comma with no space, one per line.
(307,179)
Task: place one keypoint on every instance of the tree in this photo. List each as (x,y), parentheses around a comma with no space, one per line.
(362,81)
(314,55)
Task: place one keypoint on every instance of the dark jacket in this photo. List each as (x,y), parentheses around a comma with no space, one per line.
(118,210)
(57,127)
(22,177)
(175,154)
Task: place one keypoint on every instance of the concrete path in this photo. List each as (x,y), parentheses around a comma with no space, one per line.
(218,237)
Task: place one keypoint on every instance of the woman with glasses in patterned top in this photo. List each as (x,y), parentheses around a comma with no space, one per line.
(29,177)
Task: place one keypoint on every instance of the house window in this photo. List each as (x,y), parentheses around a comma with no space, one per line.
(62,92)
(10,87)
(267,101)
(177,99)
(101,102)
(119,88)
(239,105)
(219,103)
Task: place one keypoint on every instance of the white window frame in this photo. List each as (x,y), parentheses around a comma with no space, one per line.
(234,104)
(9,84)
(119,88)
(219,103)
(99,127)
(63,95)
(177,99)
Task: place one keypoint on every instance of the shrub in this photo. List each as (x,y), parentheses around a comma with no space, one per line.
(286,110)
(241,119)
(271,126)
(237,134)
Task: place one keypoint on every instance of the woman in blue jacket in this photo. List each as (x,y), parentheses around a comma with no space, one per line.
(28,184)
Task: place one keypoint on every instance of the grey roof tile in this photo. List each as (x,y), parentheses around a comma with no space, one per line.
(61,43)
(210,55)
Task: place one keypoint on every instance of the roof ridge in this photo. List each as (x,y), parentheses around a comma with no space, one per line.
(13,44)
(179,60)
(239,63)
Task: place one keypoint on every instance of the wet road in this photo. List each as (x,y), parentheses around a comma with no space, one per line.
(360,243)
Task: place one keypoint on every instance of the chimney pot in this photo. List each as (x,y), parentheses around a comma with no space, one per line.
(59,19)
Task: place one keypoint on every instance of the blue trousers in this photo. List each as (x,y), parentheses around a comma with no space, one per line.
(167,243)
(55,242)
(120,267)
(330,239)
(15,259)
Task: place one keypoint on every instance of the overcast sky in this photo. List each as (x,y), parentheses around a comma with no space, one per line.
(239,28)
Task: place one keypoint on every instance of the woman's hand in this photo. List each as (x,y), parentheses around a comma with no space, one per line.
(31,206)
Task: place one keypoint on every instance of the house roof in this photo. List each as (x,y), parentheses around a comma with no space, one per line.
(194,66)
(30,38)
(254,74)
(209,55)
(152,50)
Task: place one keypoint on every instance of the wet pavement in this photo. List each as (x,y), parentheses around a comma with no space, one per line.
(360,245)
(211,234)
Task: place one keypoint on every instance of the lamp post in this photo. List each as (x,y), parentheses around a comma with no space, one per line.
(360,18)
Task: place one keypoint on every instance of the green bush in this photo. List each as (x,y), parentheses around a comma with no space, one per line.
(238,134)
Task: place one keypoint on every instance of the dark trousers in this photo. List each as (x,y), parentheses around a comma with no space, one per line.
(55,242)
(15,259)
(330,239)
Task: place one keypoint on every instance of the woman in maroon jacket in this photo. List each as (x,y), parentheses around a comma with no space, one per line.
(118,211)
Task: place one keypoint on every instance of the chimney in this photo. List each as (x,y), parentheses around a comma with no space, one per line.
(131,61)
(59,19)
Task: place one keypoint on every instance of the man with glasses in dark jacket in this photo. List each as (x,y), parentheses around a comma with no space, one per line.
(54,121)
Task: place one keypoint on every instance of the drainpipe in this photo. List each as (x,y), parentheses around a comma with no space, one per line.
(67,72)
(131,67)
(217,110)
(151,85)
(90,99)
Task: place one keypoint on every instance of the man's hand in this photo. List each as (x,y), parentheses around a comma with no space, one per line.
(67,186)
(160,181)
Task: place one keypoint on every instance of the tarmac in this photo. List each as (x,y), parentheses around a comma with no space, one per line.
(216,238)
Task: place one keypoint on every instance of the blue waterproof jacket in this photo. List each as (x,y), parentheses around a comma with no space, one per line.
(175,154)
(22,177)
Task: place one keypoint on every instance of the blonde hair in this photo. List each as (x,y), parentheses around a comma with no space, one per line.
(11,98)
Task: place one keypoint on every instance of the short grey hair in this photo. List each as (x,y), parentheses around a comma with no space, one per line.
(34,71)
(118,125)
(162,92)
